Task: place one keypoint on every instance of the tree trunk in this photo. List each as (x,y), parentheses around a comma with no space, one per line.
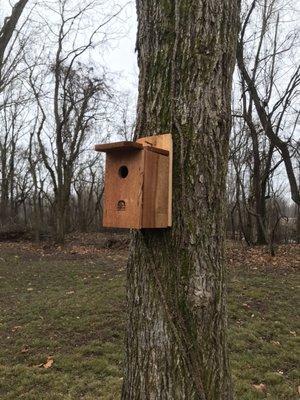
(60,216)
(4,200)
(60,226)
(37,223)
(260,210)
(4,187)
(62,206)
(8,28)
(298,225)
(176,340)
(298,213)
(259,192)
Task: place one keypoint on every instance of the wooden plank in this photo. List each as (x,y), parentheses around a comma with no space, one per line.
(118,146)
(123,195)
(165,142)
(157,150)
(155,191)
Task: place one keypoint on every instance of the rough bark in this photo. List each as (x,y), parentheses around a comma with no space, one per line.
(298,212)
(9,26)
(176,339)
(298,225)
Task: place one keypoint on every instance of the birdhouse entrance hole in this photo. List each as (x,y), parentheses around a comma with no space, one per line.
(123,171)
(121,205)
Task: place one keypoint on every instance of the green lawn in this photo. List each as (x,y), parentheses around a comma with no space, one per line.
(73,311)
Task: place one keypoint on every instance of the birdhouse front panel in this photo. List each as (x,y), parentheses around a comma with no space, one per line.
(123,191)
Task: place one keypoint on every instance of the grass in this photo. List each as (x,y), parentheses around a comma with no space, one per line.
(263,324)
(72,310)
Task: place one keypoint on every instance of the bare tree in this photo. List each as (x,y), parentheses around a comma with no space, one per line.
(267,69)
(34,161)
(88,187)
(79,101)
(271,103)
(13,117)
(6,34)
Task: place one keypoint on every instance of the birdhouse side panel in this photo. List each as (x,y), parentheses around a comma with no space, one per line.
(156,191)
(123,189)
(163,141)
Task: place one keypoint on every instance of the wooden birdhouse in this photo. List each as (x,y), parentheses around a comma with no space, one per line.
(138,183)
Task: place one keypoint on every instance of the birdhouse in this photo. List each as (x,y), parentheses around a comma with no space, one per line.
(138,183)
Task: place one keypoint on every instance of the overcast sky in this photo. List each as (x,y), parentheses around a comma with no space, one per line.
(120,56)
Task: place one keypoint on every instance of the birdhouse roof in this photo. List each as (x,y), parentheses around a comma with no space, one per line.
(128,146)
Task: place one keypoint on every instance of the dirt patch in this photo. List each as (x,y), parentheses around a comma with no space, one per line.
(287,257)
(95,245)
(79,246)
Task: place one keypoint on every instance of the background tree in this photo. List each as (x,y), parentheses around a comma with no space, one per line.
(79,100)
(275,111)
(176,341)
(13,116)
(53,106)
(7,32)
(27,189)
(266,94)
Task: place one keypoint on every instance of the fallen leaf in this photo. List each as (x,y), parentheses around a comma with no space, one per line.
(25,349)
(48,363)
(16,328)
(70,292)
(260,388)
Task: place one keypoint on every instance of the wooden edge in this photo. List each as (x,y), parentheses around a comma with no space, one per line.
(164,142)
(157,150)
(118,146)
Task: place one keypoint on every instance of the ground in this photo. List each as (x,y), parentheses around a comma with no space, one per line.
(63,311)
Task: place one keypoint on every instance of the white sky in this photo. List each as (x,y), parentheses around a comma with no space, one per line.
(120,57)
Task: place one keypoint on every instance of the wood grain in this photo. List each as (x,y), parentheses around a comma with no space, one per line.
(155,191)
(128,190)
(118,146)
(163,141)
(143,198)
